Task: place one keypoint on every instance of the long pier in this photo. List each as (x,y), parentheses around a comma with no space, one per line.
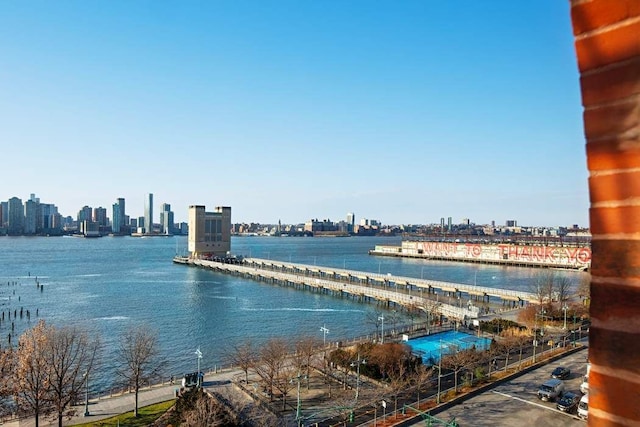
(408,292)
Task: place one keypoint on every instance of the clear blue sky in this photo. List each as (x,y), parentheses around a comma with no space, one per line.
(400,111)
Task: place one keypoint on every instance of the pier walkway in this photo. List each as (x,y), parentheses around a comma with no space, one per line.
(364,286)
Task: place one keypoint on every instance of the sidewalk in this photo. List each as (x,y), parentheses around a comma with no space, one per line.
(108,407)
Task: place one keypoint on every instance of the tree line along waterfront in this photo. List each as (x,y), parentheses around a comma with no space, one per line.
(299,380)
(104,286)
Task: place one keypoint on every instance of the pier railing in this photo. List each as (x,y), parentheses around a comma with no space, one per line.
(400,280)
(404,299)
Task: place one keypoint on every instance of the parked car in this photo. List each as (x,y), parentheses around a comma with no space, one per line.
(584,387)
(568,402)
(550,390)
(561,373)
(583,407)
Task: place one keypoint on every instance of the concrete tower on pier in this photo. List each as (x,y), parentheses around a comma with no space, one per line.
(209,232)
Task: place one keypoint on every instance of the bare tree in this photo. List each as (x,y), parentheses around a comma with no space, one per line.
(341,358)
(422,377)
(70,355)
(543,287)
(394,321)
(398,382)
(432,310)
(139,355)
(509,345)
(328,377)
(243,356)
(206,412)
(287,378)
(271,361)
(306,348)
(413,311)
(374,318)
(457,361)
(32,372)
(7,369)
(584,287)
(563,289)
(390,358)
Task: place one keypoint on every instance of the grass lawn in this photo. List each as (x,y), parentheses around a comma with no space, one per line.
(146,416)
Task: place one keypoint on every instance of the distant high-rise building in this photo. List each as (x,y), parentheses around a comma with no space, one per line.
(85,214)
(4,214)
(119,218)
(351,222)
(30,216)
(511,223)
(100,216)
(209,232)
(166,219)
(15,219)
(449,224)
(442,223)
(148,214)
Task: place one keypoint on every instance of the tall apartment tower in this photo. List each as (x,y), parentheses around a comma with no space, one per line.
(4,217)
(351,222)
(15,217)
(166,219)
(148,214)
(119,217)
(30,216)
(209,232)
(100,216)
(449,224)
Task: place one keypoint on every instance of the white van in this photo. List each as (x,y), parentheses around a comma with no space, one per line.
(583,407)
(584,387)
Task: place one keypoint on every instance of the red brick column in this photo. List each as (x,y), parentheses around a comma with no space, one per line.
(607,42)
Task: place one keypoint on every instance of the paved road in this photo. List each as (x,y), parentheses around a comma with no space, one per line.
(515,403)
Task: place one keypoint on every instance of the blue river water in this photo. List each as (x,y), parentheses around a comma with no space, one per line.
(108,284)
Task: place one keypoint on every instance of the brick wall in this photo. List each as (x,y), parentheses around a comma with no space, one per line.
(607,43)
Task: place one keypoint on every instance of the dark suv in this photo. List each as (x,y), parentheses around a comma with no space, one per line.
(568,402)
(561,373)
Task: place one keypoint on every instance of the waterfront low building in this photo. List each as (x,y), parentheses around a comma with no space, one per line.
(534,255)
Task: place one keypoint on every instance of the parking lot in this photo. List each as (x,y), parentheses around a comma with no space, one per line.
(515,403)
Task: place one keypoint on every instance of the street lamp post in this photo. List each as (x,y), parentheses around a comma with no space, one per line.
(199,356)
(86,395)
(439,373)
(565,308)
(358,362)
(324,331)
(381,318)
(298,378)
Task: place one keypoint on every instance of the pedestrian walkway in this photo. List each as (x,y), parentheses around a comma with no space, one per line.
(107,407)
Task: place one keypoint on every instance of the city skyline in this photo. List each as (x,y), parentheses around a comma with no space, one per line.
(166,217)
(405,112)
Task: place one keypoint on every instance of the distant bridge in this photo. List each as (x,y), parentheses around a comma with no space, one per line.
(404,291)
